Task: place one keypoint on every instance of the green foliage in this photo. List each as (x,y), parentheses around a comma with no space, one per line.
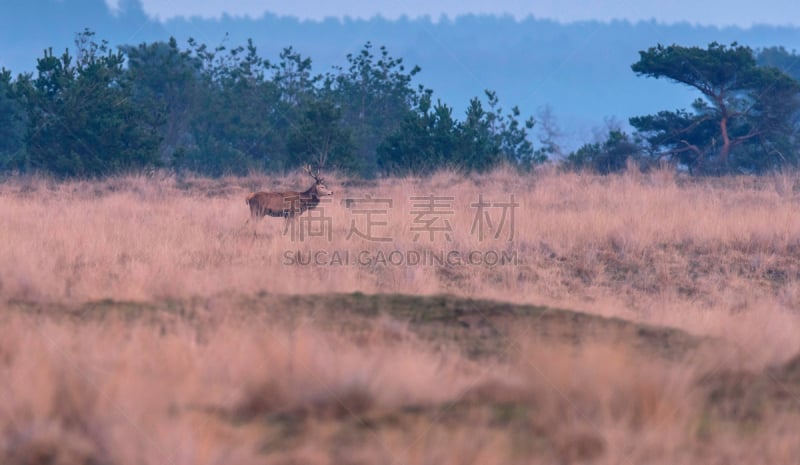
(609,156)
(232,132)
(427,139)
(490,137)
(713,70)
(430,138)
(318,136)
(166,80)
(221,110)
(740,122)
(679,136)
(297,91)
(12,122)
(83,120)
(375,96)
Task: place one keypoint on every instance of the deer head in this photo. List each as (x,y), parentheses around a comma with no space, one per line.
(319,185)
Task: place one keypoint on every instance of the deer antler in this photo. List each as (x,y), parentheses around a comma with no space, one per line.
(307,168)
(323,158)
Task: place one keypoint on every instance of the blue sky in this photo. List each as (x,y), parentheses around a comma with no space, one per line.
(705,12)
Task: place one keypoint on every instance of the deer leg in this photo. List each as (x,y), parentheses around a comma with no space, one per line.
(286,219)
(253,220)
(244,225)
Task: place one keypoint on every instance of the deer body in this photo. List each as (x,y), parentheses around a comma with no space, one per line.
(288,204)
(285,204)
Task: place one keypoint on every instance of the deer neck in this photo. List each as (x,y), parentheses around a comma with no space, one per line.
(310,193)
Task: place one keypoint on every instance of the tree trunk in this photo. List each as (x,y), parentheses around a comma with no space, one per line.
(726,141)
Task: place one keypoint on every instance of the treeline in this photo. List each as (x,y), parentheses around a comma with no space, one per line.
(96,111)
(746,118)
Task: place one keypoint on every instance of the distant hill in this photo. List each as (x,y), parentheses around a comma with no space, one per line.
(582,70)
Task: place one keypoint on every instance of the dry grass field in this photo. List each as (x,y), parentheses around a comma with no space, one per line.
(640,318)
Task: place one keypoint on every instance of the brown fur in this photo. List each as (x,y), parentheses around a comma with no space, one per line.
(286,204)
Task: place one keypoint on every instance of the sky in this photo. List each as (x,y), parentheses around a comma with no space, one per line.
(703,12)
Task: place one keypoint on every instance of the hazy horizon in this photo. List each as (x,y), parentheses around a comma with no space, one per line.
(717,13)
(580,70)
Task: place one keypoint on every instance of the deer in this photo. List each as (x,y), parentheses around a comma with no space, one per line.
(287,204)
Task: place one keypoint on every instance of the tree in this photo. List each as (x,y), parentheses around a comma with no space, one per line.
(289,114)
(319,137)
(233,124)
(219,111)
(679,136)
(746,104)
(83,119)
(166,80)
(430,138)
(12,121)
(427,139)
(488,137)
(548,133)
(789,63)
(609,156)
(293,76)
(375,96)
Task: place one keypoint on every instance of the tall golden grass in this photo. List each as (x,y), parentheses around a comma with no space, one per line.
(718,258)
(238,389)
(648,247)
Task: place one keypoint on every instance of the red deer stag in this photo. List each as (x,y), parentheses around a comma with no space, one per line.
(290,203)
